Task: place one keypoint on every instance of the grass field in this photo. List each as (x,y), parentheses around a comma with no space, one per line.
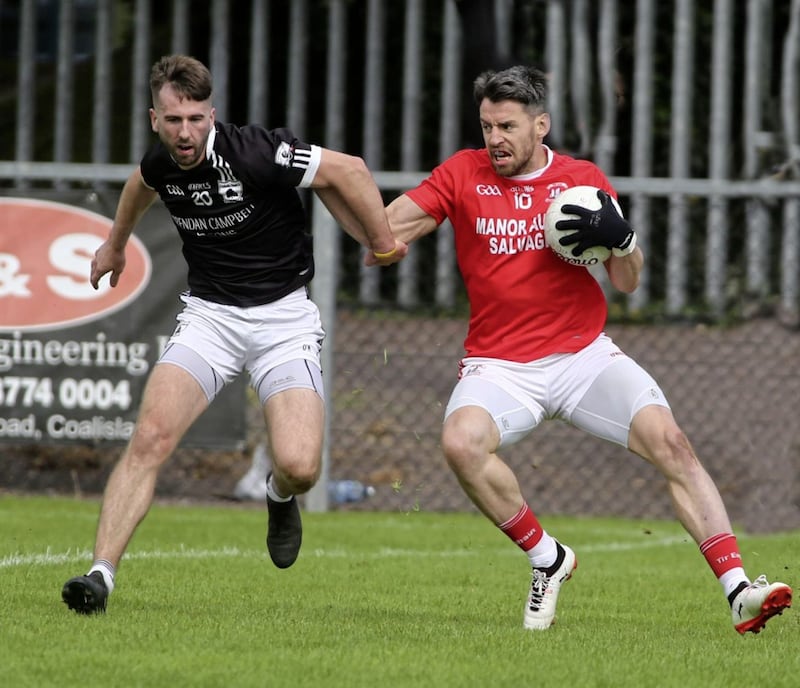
(379,600)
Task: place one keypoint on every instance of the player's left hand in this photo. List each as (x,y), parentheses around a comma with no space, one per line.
(601,227)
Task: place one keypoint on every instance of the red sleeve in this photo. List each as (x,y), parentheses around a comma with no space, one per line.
(437,195)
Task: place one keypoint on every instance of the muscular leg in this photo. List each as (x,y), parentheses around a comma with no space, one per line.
(295,419)
(469,441)
(470,438)
(172,401)
(655,436)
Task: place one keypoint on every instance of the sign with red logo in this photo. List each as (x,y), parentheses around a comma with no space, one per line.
(46,250)
(74,360)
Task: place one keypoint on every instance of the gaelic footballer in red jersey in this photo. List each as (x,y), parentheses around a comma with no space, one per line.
(504,259)
(536,349)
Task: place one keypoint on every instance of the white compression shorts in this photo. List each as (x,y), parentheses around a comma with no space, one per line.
(278,344)
(598,389)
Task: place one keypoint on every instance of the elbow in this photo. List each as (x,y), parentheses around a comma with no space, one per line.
(359,170)
(340,171)
(353,175)
(353,166)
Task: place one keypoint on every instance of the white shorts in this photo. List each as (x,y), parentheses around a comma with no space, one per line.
(278,344)
(598,389)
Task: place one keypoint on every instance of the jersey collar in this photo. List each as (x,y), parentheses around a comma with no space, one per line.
(212,137)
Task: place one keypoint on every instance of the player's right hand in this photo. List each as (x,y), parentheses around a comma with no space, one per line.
(397,254)
(107,259)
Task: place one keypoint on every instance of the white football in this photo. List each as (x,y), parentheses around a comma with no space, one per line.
(586,197)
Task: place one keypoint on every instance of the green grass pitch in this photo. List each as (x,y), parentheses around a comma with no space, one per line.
(380,600)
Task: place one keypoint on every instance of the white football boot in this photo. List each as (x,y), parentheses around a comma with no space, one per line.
(540,609)
(759,602)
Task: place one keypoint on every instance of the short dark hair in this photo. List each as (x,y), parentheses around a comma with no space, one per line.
(188,76)
(525,85)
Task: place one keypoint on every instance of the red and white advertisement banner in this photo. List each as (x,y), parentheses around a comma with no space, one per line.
(74,360)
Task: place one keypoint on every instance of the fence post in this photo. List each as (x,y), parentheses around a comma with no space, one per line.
(323,290)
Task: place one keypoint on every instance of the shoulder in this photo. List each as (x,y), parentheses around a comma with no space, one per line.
(578,171)
(468,159)
(464,165)
(564,160)
(245,137)
(271,152)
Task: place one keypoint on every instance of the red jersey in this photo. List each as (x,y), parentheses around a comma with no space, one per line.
(525,302)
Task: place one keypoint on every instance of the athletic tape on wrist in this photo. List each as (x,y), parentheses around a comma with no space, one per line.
(622,252)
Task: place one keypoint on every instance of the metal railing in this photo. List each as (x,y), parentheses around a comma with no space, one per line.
(410,93)
(697,126)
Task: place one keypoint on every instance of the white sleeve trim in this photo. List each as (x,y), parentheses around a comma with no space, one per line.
(315,156)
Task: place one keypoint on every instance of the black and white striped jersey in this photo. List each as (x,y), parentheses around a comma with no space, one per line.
(238,212)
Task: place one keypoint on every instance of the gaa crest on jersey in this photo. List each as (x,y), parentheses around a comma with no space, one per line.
(488,190)
(284,155)
(231,191)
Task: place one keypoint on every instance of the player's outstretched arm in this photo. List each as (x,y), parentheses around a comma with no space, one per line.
(347,220)
(135,199)
(346,187)
(408,221)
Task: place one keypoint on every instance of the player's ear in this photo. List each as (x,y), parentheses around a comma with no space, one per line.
(543,124)
(153,120)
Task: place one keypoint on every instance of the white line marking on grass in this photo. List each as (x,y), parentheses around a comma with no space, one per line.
(48,557)
(392,552)
(77,556)
(627,546)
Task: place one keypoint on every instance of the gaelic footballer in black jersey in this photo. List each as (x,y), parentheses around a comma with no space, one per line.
(239,214)
(233,196)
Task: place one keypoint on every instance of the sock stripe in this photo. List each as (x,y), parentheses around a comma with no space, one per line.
(524,529)
(511,522)
(713,540)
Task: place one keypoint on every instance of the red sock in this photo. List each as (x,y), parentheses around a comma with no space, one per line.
(721,553)
(524,529)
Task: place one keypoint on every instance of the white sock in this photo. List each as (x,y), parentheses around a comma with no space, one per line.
(107,570)
(544,553)
(730,580)
(272,493)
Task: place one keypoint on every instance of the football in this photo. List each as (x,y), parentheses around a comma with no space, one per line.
(586,197)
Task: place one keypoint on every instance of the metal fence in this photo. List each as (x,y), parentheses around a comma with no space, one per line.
(691,107)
